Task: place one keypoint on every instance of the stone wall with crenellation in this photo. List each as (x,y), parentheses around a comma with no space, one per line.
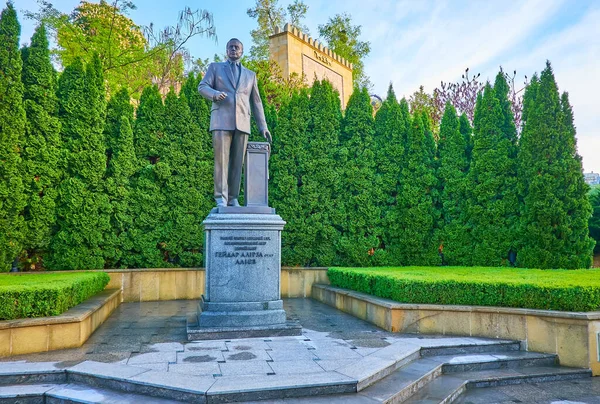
(296,52)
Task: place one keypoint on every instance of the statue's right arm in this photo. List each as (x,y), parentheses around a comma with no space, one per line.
(205,88)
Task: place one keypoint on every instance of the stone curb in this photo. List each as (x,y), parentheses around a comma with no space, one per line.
(73,315)
(391,304)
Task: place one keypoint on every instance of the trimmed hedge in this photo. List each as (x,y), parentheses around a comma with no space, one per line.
(562,290)
(46,294)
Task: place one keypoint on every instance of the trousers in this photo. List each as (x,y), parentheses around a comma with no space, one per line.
(229,150)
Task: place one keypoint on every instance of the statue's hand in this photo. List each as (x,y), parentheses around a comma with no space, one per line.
(219,97)
(267,135)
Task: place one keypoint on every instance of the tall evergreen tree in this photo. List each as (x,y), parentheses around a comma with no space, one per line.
(83,207)
(41,148)
(188,190)
(288,167)
(148,202)
(120,171)
(433,163)
(122,165)
(321,172)
(12,130)
(414,243)
(579,210)
(493,203)
(595,220)
(467,131)
(200,110)
(555,209)
(358,210)
(149,137)
(452,174)
(391,127)
(508,127)
(118,106)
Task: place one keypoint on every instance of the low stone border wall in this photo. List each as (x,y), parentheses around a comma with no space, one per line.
(68,330)
(141,285)
(72,328)
(572,336)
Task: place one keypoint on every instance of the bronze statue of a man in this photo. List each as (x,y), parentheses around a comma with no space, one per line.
(233,90)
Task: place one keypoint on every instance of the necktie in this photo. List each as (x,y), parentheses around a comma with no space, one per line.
(236,72)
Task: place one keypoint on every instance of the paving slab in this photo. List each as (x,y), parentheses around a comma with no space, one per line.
(196,369)
(153,357)
(296,367)
(200,356)
(87,394)
(29,368)
(107,370)
(255,387)
(212,345)
(191,384)
(24,390)
(261,368)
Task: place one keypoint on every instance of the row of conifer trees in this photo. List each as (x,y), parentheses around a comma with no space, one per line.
(86,183)
(363,191)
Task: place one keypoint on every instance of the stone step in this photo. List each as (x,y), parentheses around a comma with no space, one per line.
(448,387)
(477,346)
(71,393)
(375,367)
(414,377)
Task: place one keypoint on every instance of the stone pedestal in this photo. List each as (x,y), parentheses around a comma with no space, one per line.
(242,256)
(243,268)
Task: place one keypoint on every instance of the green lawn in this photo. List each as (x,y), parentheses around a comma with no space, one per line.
(565,290)
(46,294)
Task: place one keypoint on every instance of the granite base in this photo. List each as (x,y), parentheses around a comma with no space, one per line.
(198,333)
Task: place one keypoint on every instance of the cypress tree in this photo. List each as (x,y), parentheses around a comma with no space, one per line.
(467,131)
(555,210)
(358,210)
(12,130)
(83,207)
(414,242)
(452,173)
(118,106)
(595,220)
(148,202)
(41,147)
(322,173)
(508,127)
(122,165)
(579,246)
(200,111)
(433,163)
(493,206)
(288,172)
(149,137)
(187,190)
(391,123)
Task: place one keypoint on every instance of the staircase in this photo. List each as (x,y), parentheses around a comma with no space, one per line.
(437,374)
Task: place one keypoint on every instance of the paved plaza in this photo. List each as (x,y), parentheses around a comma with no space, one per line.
(335,349)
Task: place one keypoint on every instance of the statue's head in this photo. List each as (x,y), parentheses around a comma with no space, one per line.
(235,49)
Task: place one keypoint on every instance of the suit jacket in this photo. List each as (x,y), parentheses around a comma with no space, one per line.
(234,111)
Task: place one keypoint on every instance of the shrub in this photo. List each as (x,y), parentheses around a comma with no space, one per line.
(46,294)
(477,286)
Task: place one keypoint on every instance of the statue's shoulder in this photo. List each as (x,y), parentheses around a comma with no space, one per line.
(216,65)
(252,72)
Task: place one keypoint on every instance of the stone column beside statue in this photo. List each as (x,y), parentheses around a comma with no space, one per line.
(242,296)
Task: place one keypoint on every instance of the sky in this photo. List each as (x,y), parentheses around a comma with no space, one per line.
(420,42)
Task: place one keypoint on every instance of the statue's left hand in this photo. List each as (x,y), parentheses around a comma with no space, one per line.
(267,135)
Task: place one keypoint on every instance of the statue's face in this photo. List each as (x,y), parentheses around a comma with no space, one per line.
(235,50)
